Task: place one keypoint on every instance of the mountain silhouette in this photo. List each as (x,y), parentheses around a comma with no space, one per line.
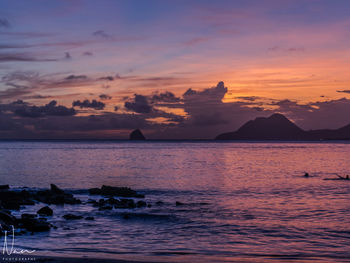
(136,135)
(278,127)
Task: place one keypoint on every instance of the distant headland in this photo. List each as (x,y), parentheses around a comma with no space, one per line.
(278,127)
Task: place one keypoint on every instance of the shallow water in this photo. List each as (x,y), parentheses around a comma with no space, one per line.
(242,201)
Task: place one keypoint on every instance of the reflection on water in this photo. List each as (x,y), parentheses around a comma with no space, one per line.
(241,200)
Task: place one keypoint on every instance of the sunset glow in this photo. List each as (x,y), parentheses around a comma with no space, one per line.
(264,52)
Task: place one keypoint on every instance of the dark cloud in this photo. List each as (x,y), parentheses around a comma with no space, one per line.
(54,44)
(105,97)
(109,78)
(87,53)
(76,77)
(21,57)
(94,104)
(205,108)
(139,104)
(12,46)
(24,83)
(67,55)
(20,120)
(166,96)
(26,34)
(15,91)
(248,98)
(101,33)
(50,109)
(286,49)
(344,91)
(330,114)
(205,114)
(4,23)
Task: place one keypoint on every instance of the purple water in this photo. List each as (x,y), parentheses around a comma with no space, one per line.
(242,201)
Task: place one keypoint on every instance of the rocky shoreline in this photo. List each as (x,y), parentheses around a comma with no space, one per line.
(14,200)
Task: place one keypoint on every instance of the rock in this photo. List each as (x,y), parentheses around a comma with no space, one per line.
(72,217)
(13,200)
(55,196)
(125,203)
(141,204)
(28,216)
(4,187)
(12,205)
(105,207)
(32,224)
(7,218)
(159,203)
(55,189)
(178,203)
(91,201)
(115,191)
(95,191)
(46,211)
(136,135)
(89,218)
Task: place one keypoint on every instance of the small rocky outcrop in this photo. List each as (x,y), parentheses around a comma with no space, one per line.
(137,135)
(56,196)
(72,217)
(13,200)
(4,187)
(31,223)
(6,220)
(45,211)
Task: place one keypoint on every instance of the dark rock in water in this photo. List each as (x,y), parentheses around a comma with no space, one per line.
(159,203)
(89,218)
(141,204)
(7,218)
(91,201)
(32,224)
(126,216)
(55,189)
(46,211)
(115,191)
(55,196)
(105,207)
(72,217)
(178,203)
(95,191)
(12,200)
(30,216)
(125,203)
(137,135)
(4,187)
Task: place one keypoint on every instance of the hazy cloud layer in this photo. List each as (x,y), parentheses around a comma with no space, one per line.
(206,114)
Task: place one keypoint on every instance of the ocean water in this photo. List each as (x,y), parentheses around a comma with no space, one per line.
(244,202)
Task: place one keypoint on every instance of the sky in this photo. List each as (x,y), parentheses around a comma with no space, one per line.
(174,69)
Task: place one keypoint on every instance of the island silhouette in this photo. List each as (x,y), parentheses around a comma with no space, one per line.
(278,127)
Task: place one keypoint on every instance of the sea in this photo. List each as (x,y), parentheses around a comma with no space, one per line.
(237,201)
